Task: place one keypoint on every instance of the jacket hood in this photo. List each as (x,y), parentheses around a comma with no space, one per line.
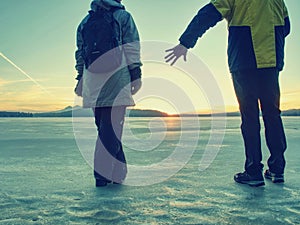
(106,4)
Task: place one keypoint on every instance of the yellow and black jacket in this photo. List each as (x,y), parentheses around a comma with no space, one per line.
(257,31)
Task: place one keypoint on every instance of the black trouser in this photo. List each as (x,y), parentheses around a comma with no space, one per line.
(109,158)
(253,87)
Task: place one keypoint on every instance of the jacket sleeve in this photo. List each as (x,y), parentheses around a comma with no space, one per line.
(207,17)
(287,24)
(78,54)
(131,42)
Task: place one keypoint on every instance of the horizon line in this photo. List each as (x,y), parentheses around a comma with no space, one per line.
(203,112)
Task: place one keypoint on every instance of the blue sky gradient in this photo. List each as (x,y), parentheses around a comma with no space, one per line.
(39,37)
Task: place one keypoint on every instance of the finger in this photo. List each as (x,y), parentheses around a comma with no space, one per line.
(169,55)
(168,50)
(171,58)
(174,61)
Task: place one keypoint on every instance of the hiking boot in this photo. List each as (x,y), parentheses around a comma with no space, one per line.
(101,183)
(119,183)
(246,178)
(274,177)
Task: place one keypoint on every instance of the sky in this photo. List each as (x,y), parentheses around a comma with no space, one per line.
(37,45)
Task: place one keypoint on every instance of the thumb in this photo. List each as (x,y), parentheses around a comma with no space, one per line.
(184,57)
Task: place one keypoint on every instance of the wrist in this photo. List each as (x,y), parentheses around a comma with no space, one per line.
(79,76)
(135,73)
(184,44)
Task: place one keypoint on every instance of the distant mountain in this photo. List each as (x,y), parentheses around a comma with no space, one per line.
(291,112)
(145,113)
(78,111)
(15,114)
(69,111)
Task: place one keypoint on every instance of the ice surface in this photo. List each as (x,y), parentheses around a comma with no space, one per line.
(45,180)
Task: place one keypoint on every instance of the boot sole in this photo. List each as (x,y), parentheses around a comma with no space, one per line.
(275,180)
(252,183)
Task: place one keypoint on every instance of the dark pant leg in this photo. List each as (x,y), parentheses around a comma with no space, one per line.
(246,89)
(119,166)
(270,106)
(107,160)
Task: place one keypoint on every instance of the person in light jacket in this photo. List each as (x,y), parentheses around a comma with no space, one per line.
(109,94)
(257,32)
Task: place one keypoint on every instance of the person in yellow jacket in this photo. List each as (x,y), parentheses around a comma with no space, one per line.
(257,32)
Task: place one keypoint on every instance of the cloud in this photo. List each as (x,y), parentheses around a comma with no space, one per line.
(12,82)
(24,95)
(291,93)
(290,99)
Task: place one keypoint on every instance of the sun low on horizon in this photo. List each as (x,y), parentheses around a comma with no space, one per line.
(37,48)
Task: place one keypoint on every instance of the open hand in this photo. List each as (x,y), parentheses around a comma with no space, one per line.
(176,53)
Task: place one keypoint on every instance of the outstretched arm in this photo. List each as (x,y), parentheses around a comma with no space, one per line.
(207,17)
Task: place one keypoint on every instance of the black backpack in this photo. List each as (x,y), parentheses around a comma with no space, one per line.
(101,50)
